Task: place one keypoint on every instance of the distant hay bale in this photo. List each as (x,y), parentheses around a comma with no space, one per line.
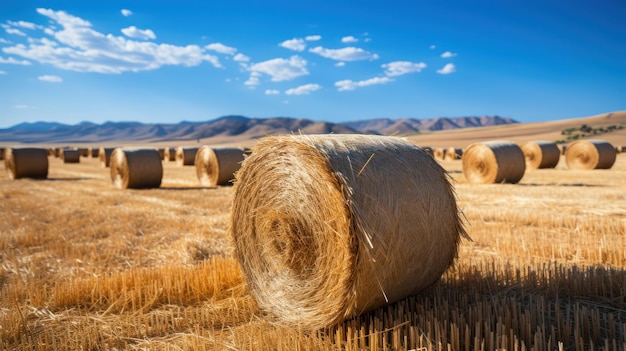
(104,156)
(327,227)
(452,154)
(95,152)
(169,154)
(493,162)
(620,148)
(541,154)
(161,152)
(51,151)
(438,153)
(2,152)
(26,163)
(186,156)
(70,156)
(83,151)
(136,168)
(590,154)
(562,148)
(217,166)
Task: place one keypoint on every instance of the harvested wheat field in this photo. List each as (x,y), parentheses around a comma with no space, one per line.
(85,265)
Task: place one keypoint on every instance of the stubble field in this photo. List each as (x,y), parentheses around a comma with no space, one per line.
(86,266)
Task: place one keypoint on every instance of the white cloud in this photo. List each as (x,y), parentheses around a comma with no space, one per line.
(76,46)
(340,64)
(50,79)
(4,41)
(399,68)
(241,58)
(21,107)
(221,48)
(447,69)
(23,24)
(126,12)
(280,69)
(344,54)
(448,54)
(134,32)
(303,89)
(295,44)
(432,47)
(12,61)
(3,72)
(272,92)
(15,31)
(313,37)
(348,84)
(349,39)
(253,80)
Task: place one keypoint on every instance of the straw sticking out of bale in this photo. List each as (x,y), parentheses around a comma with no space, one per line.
(590,154)
(452,154)
(186,156)
(217,166)
(136,168)
(493,162)
(329,226)
(70,156)
(104,156)
(541,154)
(26,162)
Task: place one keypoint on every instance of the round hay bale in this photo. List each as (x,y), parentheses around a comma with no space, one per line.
(327,227)
(493,162)
(438,153)
(169,154)
(217,166)
(452,154)
(2,152)
(95,152)
(186,156)
(83,151)
(51,151)
(136,168)
(562,148)
(428,150)
(161,152)
(620,148)
(70,156)
(26,163)
(541,154)
(104,156)
(590,154)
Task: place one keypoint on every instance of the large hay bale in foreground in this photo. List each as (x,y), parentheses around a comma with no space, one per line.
(541,154)
(217,166)
(186,156)
(453,153)
(136,168)
(104,156)
(26,163)
(70,156)
(330,226)
(590,154)
(493,162)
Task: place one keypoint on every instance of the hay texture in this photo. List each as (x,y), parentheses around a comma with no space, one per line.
(217,166)
(541,154)
(326,227)
(70,156)
(452,154)
(493,162)
(136,168)
(26,163)
(186,156)
(104,156)
(590,154)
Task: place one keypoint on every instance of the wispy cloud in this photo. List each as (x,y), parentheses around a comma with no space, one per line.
(447,69)
(399,68)
(3,72)
(22,107)
(23,24)
(432,47)
(50,79)
(12,61)
(4,41)
(349,39)
(295,44)
(344,54)
(221,48)
(313,38)
(348,84)
(303,89)
(241,58)
(134,32)
(254,79)
(78,47)
(448,54)
(126,12)
(280,69)
(340,64)
(272,92)
(14,31)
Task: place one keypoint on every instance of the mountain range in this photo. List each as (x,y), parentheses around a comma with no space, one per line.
(230,128)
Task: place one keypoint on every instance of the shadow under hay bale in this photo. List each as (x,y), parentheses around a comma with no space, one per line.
(70,156)
(26,163)
(329,226)
(217,166)
(104,156)
(136,168)
(541,154)
(493,162)
(186,156)
(590,154)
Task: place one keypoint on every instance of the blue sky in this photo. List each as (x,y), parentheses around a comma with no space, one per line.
(164,62)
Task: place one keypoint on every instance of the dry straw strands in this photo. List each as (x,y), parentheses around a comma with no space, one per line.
(104,156)
(590,154)
(26,162)
(541,154)
(70,155)
(217,166)
(186,156)
(329,226)
(136,168)
(493,162)
(452,154)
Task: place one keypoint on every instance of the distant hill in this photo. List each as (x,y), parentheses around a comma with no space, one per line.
(227,128)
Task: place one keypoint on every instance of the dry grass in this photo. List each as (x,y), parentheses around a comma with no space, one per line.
(87,267)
